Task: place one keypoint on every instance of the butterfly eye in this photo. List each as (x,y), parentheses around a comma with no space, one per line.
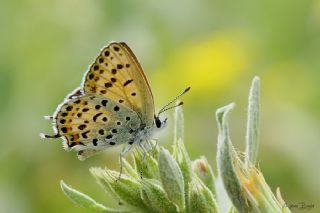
(158,122)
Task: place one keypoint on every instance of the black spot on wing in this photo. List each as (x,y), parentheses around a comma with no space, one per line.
(127,82)
(95,142)
(82,126)
(101,131)
(84,134)
(101,60)
(72,144)
(91,76)
(96,116)
(69,108)
(64,129)
(116,108)
(104,102)
(108,84)
(95,67)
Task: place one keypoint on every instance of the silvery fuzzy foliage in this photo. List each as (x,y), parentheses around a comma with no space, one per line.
(172,182)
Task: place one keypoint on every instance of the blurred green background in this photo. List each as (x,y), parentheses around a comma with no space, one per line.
(215,46)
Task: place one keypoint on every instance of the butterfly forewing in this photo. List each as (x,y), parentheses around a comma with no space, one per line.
(117,75)
(93,121)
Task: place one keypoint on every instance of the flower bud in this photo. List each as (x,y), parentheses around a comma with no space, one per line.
(204,171)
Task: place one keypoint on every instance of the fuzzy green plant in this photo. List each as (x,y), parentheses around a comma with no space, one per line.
(172,182)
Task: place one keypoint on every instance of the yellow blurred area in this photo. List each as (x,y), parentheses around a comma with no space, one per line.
(211,64)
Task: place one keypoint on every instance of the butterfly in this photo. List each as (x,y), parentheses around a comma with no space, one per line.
(114,105)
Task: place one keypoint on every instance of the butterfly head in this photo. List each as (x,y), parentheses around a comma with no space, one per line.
(160,122)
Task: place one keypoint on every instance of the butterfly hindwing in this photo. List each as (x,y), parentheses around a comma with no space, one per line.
(93,122)
(116,74)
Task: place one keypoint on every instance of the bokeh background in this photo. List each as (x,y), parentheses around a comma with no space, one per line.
(215,46)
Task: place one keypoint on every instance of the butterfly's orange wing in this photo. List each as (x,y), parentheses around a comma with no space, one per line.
(117,75)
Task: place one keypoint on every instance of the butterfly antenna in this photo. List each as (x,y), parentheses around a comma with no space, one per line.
(179,104)
(165,108)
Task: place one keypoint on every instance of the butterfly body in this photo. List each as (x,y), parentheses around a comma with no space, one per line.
(114,105)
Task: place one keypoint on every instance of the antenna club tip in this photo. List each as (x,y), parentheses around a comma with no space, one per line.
(187,89)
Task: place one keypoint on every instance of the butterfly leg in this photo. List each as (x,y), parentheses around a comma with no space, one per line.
(150,146)
(124,151)
(154,147)
(143,157)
